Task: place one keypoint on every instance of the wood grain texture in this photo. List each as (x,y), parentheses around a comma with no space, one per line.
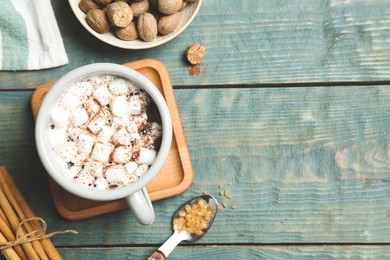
(230,253)
(250,42)
(304,165)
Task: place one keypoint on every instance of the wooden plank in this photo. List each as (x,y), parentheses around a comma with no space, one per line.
(231,252)
(304,165)
(250,42)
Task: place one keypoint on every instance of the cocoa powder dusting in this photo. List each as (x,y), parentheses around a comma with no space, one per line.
(194,71)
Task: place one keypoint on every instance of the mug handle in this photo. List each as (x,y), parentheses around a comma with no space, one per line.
(141,207)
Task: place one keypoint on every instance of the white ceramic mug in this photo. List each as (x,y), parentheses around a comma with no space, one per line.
(135,193)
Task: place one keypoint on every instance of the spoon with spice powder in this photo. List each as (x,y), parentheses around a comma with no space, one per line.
(190,222)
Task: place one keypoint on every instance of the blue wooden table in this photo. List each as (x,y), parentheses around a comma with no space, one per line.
(290,114)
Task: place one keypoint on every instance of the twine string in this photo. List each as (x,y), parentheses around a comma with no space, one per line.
(38,234)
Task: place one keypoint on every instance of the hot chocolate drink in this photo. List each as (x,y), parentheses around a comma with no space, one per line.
(104,132)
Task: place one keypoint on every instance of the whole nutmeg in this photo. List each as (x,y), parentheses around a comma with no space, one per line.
(86,5)
(119,14)
(139,7)
(195,53)
(169,6)
(168,23)
(183,5)
(98,21)
(128,33)
(147,27)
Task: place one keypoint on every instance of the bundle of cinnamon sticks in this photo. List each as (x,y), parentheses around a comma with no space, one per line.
(15,224)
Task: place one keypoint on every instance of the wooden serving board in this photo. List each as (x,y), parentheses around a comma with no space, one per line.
(174,178)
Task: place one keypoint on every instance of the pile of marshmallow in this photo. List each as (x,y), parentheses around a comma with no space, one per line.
(100,134)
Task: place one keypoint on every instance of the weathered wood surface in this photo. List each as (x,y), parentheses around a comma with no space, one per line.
(305,165)
(250,42)
(239,252)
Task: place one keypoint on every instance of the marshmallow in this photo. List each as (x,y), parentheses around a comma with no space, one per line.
(143,95)
(96,124)
(122,137)
(119,106)
(115,174)
(93,168)
(102,95)
(69,171)
(82,157)
(105,134)
(101,152)
(131,167)
(137,141)
(82,88)
(155,130)
(78,117)
(74,132)
(96,80)
(143,142)
(132,128)
(92,106)
(84,143)
(121,155)
(67,152)
(108,79)
(130,178)
(118,87)
(141,170)
(121,122)
(70,101)
(59,116)
(101,184)
(84,180)
(135,106)
(58,136)
(146,156)
(140,119)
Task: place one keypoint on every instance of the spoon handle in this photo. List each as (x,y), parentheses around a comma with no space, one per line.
(165,249)
(157,255)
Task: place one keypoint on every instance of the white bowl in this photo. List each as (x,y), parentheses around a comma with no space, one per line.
(188,14)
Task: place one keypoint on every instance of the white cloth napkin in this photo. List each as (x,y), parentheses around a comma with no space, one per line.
(29,36)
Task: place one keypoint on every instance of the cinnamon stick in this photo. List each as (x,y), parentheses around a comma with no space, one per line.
(13,219)
(5,179)
(7,192)
(9,253)
(10,236)
(4,218)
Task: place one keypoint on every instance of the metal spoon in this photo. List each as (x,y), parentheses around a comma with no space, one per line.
(163,251)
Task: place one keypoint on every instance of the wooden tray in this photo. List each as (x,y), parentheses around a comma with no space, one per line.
(174,178)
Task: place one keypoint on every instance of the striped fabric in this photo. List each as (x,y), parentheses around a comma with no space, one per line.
(29,36)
